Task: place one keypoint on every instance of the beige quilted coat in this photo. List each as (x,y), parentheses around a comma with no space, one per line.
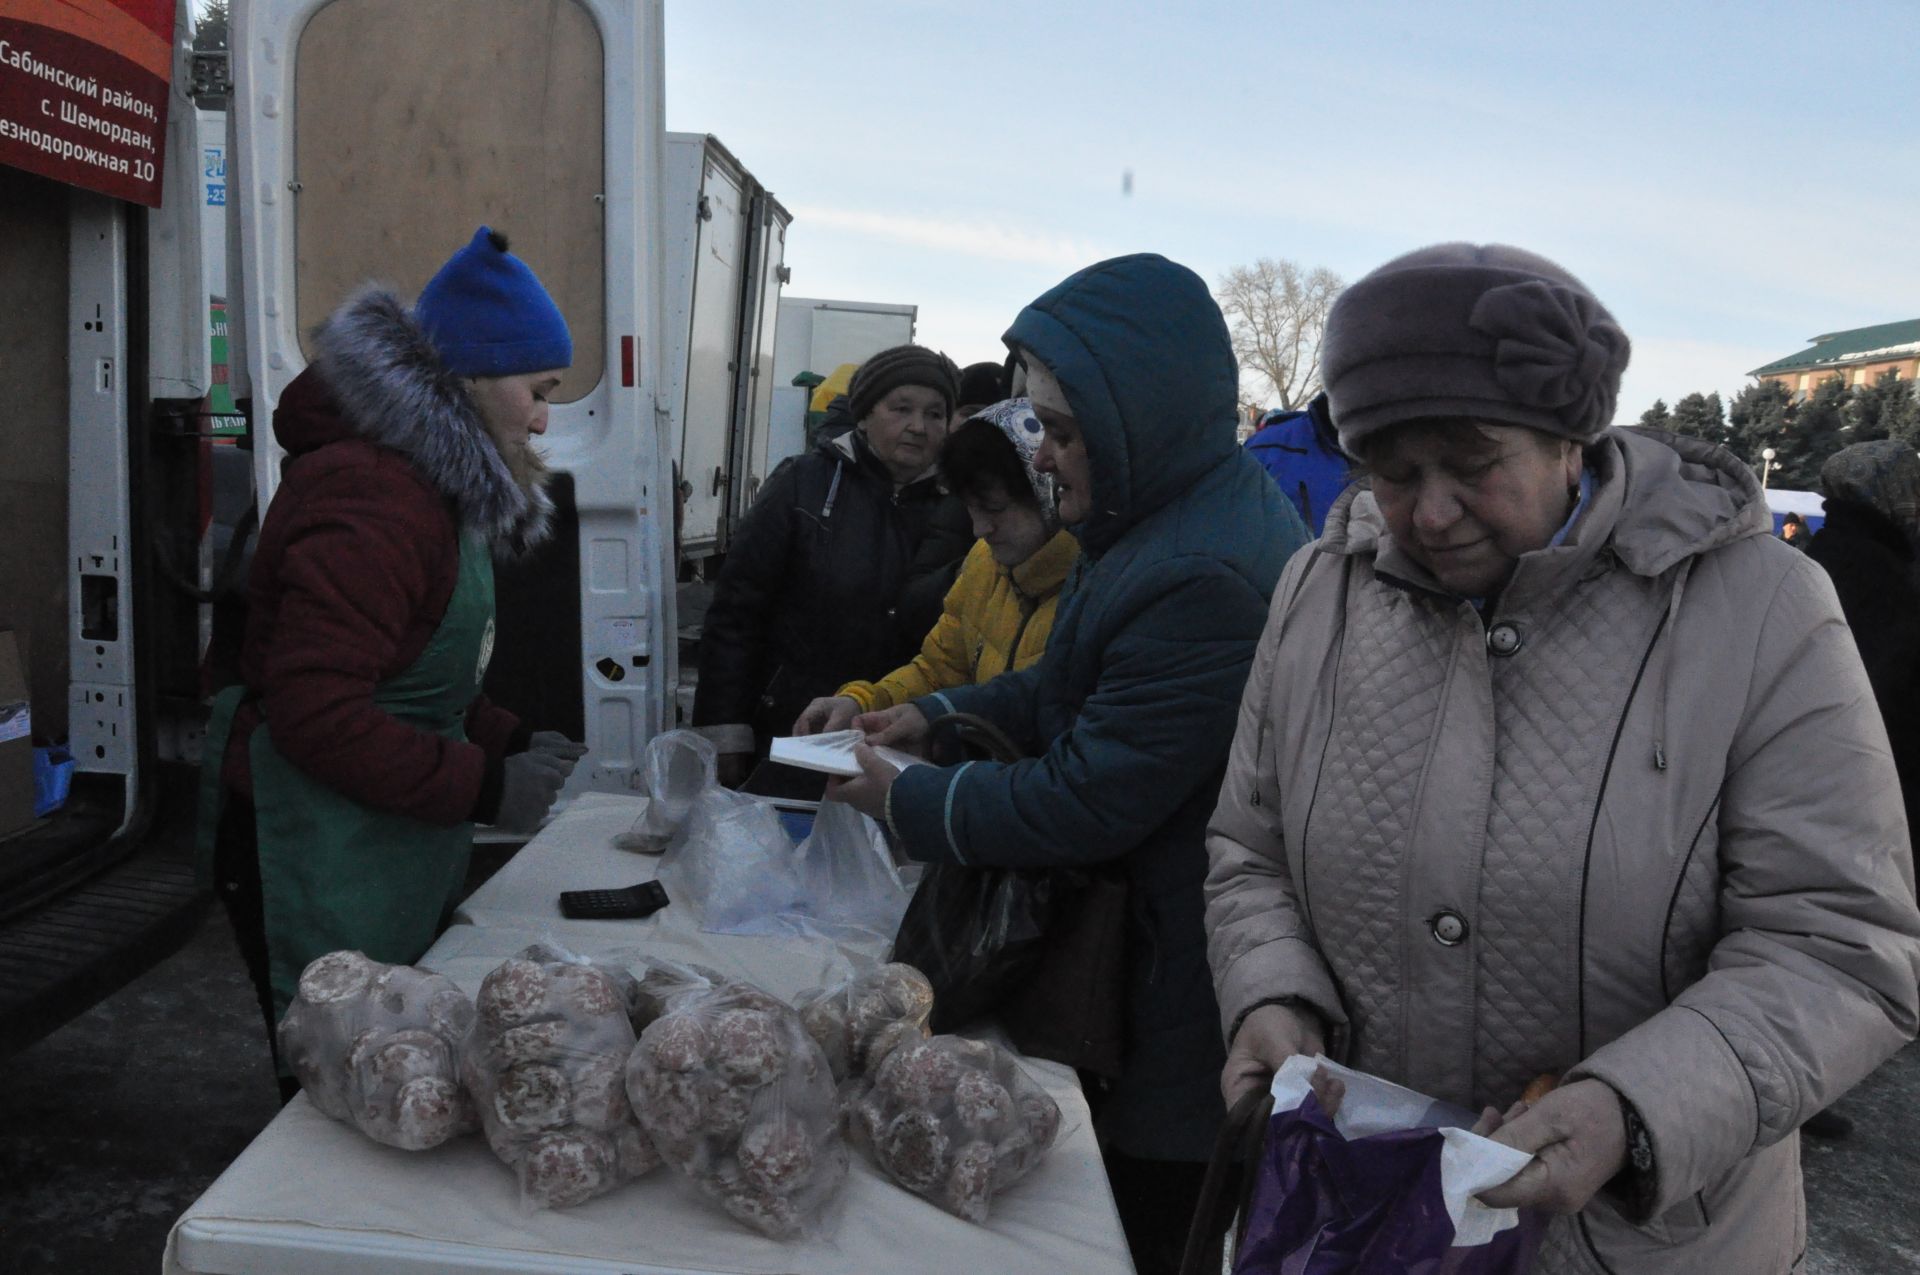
(1649,801)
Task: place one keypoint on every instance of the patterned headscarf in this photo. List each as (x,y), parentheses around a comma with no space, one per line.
(1884,476)
(1016,420)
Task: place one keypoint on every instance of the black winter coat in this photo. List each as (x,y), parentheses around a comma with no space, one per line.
(1872,566)
(834,576)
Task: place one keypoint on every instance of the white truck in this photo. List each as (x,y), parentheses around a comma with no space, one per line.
(819,336)
(725,262)
(357,149)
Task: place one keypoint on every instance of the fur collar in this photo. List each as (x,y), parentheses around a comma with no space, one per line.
(393,389)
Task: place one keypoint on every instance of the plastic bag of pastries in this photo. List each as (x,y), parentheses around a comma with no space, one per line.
(859,1022)
(952,1119)
(377,1046)
(738,1096)
(546,1066)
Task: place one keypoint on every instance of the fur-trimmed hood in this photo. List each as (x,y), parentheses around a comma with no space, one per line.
(384,383)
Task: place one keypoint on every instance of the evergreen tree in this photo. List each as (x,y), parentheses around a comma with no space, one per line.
(1815,430)
(210,25)
(1885,409)
(1657,416)
(1700,416)
(1757,419)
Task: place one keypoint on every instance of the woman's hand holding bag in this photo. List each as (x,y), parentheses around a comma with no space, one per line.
(1268,1036)
(1578,1137)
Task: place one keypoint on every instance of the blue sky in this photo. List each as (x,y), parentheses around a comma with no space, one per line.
(1730,179)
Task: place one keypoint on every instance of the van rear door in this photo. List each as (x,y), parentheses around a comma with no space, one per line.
(371,138)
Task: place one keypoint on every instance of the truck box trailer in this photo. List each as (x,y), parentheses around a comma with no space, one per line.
(724,250)
(817,336)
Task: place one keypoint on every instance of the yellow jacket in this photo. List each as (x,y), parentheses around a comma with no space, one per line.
(995,621)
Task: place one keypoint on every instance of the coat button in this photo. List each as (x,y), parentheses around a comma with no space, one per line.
(1504,639)
(1449,928)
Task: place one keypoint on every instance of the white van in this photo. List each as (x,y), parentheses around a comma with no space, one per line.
(358,148)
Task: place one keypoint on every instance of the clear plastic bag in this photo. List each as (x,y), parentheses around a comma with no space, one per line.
(859,1022)
(735,864)
(737,1096)
(546,1066)
(377,1046)
(951,1119)
(849,887)
(679,766)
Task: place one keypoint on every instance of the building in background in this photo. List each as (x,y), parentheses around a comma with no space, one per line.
(1858,356)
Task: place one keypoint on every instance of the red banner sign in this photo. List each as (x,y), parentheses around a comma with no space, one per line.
(83,92)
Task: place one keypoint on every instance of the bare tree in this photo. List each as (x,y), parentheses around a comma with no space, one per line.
(1277,313)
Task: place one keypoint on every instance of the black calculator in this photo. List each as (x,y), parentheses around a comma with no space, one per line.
(614,905)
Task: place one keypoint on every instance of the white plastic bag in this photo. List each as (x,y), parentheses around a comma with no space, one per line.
(1374,1108)
(951,1119)
(546,1064)
(859,1022)
(736,1095)
(377,1046)
(734,863)
(849,887)
(679,766)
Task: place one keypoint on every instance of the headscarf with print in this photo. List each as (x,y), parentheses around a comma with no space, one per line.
(1016,420)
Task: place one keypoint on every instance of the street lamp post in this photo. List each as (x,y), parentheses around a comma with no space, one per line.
(1766,465)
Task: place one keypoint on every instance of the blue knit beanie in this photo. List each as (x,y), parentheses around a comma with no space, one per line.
(487,314)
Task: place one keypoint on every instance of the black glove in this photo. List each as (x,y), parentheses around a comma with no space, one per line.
(529,783)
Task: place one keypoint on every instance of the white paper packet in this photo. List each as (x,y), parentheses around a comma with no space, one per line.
(832,753)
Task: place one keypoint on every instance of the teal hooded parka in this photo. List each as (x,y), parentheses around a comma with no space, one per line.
(1131,711)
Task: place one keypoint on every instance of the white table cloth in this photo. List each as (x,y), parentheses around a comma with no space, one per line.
(312,1196)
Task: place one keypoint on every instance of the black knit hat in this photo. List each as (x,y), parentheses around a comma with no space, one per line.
(982,383)
(902,365)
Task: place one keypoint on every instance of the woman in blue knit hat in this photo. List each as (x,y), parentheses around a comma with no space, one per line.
(347,769)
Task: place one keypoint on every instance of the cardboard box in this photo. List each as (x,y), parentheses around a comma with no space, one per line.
(16,736)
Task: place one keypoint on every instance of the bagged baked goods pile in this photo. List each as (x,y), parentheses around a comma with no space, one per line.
(546,1066)
(378,1046)
(583,1077)
(738,1096)
(954,1120)
(859,1022)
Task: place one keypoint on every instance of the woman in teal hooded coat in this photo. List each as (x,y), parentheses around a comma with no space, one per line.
(1130,714)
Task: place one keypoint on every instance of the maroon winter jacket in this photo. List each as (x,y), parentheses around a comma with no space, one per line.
(357,559)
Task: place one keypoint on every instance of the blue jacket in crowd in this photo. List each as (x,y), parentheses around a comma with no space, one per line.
(1298,449)
(1133,707)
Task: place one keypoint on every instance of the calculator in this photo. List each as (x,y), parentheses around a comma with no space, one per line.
(614,905)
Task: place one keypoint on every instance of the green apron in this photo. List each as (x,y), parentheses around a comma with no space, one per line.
(334,873)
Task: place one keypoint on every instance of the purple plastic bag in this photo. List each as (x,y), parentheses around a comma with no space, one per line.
(1327,1205)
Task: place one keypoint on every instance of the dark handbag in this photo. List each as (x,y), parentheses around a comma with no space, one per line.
(1228,1185)
(1041,949)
